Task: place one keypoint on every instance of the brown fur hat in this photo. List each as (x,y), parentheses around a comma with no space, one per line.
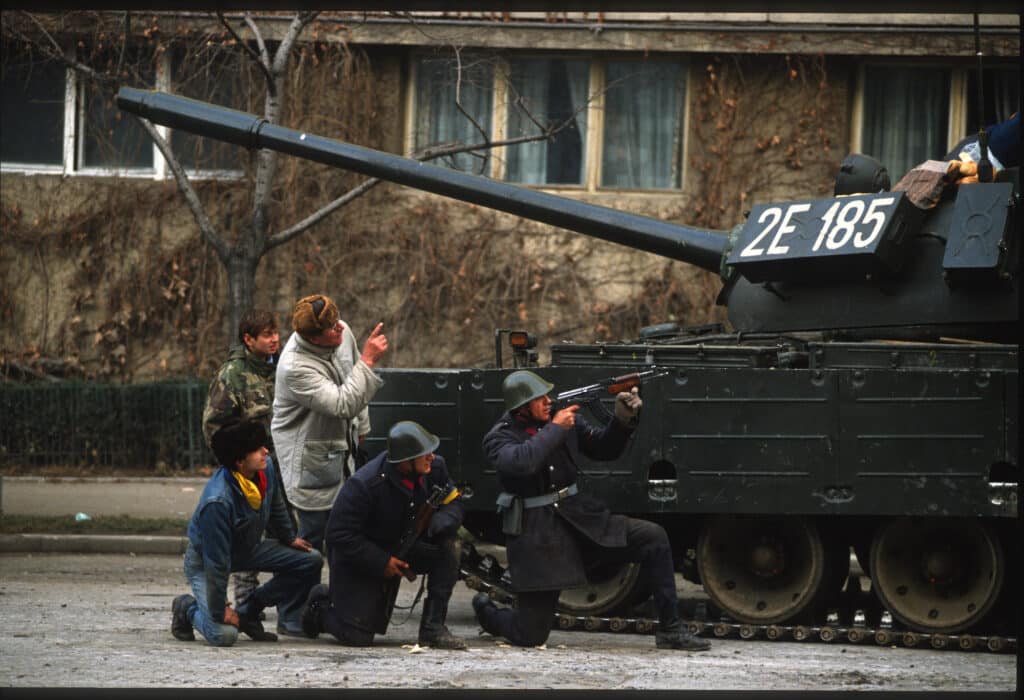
(313,315)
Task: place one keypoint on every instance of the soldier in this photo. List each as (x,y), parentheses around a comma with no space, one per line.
(226,534)
(364,530)
(322,391)
(244,389)
(552,530)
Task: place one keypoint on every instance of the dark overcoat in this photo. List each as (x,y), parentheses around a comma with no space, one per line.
(364,529)
(537,458)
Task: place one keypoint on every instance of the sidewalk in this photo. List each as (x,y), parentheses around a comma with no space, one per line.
(149,497)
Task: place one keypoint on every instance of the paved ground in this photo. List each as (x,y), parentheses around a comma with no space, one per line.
(102,620)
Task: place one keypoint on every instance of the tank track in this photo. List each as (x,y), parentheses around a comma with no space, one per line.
(485,574)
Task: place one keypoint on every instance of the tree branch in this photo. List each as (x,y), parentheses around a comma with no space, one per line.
(189,194)
(56,52)
(245,46)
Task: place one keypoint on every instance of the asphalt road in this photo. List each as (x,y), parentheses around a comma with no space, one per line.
(102,620)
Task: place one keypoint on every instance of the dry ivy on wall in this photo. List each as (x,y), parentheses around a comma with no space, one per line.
(145,300)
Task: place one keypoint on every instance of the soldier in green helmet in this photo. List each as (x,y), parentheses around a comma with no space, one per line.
(552,530)
(364,530)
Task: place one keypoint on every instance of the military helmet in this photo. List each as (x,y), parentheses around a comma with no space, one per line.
(522,386)
(861,174)
(409,440)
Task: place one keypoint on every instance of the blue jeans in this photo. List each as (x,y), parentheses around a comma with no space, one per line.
(313,526)
(295,572)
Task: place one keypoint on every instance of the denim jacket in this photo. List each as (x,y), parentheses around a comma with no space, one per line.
(225,530)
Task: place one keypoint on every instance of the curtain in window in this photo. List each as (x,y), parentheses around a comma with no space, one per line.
(906,116)
(643,125)
(440,121)
(552,92)
(1000,95)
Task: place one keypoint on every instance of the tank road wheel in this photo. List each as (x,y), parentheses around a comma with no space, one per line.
(608,587)
(761,570)
(937,575)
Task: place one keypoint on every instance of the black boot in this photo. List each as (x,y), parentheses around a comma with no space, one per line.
(433,632)
(181,627)
(312,615)
(249,621)
(675,636)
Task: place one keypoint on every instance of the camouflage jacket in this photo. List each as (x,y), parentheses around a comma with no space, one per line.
(243,388)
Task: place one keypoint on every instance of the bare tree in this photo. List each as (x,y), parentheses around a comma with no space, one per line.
(260,233)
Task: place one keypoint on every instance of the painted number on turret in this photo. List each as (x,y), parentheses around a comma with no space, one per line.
(783,239)
(846,222)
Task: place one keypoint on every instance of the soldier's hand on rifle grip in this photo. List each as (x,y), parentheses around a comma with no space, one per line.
(627,405)
(566,418)
(375,347)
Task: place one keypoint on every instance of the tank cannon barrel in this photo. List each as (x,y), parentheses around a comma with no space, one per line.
(703,248)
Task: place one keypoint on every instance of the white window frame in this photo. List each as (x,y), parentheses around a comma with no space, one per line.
(595,123)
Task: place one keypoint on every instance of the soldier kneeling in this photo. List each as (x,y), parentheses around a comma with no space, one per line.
(365,529)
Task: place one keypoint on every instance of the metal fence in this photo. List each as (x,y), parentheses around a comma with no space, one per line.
(139,426)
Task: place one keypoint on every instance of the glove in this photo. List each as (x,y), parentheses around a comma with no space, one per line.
(627,405)
(443,524)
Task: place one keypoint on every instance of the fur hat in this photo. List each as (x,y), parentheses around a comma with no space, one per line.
(314,314)
(234,440)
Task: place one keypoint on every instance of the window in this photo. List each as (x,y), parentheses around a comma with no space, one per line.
(552,93)
(218,83)
(54,122)
(441,88)
(906,115)
(643,130)
(33,110)
(110,138)
(913,113)
(618,124)
(1000,94)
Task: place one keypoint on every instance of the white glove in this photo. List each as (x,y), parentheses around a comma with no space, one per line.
(627,405)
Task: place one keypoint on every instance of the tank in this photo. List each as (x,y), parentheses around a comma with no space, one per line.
(862,412)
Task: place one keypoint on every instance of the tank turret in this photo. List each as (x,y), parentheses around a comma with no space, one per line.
(864,265)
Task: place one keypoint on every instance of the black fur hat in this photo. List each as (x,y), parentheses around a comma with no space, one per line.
(234,440)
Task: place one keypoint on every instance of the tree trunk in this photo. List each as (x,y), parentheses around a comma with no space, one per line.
(241,267)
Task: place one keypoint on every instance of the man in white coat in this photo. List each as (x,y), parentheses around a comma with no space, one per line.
(320,415)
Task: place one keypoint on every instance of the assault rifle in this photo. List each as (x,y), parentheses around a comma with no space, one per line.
(611,386)
(414,530)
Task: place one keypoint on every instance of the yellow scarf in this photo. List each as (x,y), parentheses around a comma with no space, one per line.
(251,490)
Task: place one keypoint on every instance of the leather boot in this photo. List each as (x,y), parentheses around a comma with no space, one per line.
(433,632)
(181,626)
(312,615)
(249,621)
(675,636)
